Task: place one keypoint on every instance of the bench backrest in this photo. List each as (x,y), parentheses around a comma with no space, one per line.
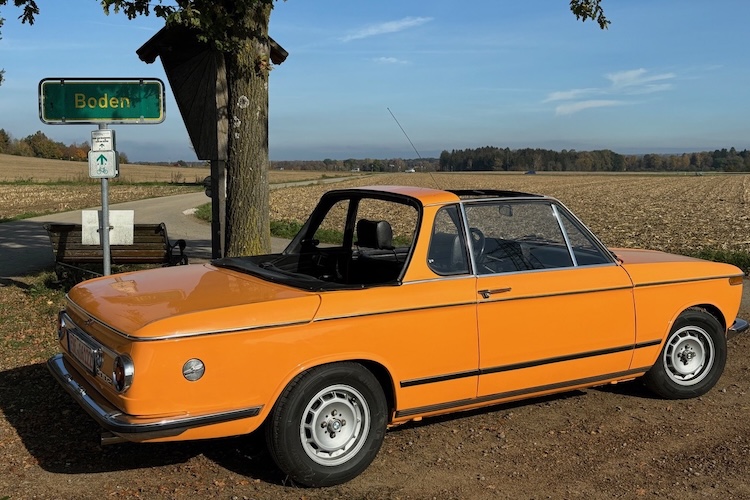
(150,245)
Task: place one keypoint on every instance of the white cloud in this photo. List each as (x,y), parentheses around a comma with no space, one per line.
(650,88)
(575,107)
(566,95)
(622,84)
(387,27)
(635,77)
(389,60)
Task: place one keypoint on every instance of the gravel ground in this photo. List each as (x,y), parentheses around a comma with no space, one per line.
(613,442)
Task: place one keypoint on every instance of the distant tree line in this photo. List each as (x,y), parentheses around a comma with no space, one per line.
(359,165)
(488,158)
(39,145)
(491,158)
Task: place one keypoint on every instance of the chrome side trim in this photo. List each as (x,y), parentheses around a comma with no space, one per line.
(739,326)
(487,301)
(686,280)
(499,397)
(122,424)
(394,311)
(528,364)
(558,294)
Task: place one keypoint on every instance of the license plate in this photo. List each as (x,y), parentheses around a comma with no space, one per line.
(83,352)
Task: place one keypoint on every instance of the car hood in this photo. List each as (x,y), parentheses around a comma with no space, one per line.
(652,266)
(189,300)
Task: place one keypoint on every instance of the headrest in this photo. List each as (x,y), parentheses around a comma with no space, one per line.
(374,234)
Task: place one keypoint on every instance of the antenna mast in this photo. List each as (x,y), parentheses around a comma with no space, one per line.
(437,184)
(405,134)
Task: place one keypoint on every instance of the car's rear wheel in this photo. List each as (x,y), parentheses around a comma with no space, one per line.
(692,359)
(328,424)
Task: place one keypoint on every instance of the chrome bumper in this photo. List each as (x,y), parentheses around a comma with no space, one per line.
(739,326)
(127,426)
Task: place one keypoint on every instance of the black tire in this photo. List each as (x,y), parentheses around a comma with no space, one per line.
(692,359)
(328,425)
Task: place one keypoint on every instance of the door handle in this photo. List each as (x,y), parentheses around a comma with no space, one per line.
(486,294)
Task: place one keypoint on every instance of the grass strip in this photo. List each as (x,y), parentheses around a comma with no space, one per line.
(734,257)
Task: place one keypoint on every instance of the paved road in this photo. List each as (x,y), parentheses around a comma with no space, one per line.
(25,247)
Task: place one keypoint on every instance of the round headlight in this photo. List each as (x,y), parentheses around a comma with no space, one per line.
(193,369)
(122,372)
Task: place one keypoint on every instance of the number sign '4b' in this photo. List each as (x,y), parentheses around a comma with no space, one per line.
(89,100)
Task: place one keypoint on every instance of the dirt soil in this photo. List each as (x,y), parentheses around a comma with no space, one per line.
(611,442)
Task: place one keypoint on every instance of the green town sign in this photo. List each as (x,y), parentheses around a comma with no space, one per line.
(94,100)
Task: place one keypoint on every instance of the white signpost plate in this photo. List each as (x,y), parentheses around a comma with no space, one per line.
(103,140)
(103,164)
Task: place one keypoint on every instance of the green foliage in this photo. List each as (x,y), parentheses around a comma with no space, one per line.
(736,258)
(4,138)
(203,212)
(40,146)
(25,215)
(44,147)
(504,159)
(589,9)
(224,25)
(28,13)
(29,10)
(287,229)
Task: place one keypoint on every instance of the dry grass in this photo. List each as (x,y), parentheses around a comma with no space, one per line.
(19,168)
(39,170)
(35,186)
(28,200)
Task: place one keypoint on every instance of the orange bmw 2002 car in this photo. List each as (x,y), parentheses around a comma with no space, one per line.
(391,304)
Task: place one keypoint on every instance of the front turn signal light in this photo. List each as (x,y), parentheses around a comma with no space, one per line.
(735,280)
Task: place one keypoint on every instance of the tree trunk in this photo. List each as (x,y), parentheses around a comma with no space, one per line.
(247,207)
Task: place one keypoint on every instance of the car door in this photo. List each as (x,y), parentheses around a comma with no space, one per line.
(554,308)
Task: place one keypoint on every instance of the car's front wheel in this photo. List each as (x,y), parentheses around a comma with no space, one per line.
(692,359)
(328,424)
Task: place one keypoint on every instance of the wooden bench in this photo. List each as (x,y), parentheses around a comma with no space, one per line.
(151,245)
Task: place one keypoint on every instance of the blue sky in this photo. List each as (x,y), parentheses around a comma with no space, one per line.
(668,76)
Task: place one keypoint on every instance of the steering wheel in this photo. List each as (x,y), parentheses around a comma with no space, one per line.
(477,242)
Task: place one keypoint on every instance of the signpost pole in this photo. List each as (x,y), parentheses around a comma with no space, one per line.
(104,228)
(102,101)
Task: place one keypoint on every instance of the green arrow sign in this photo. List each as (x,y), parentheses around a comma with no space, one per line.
(89,100)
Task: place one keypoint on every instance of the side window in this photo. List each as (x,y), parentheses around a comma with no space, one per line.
(401,218)
(447,253)
(585,250)
(516,236)
(331,230)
